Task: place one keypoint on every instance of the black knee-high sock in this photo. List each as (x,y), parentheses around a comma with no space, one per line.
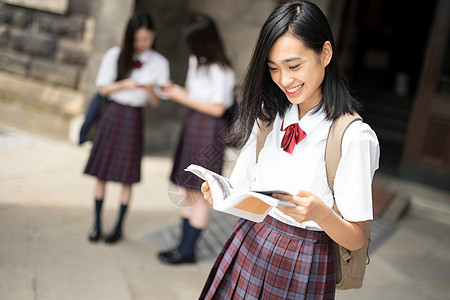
(98,211)
(184,228)
(188,239)
(123,210)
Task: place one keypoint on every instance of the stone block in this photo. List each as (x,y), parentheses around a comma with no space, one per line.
(53,72)
(72,52)
(38,106)
(54,98)
(36,44)
(66,26)
(80,6)
(14,62)
(17,16)
(53,6)
(174,4)
(4,36)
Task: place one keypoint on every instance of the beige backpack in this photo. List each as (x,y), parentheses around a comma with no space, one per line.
(350,265)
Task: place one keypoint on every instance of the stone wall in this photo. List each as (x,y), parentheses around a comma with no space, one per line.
(46,46)
(45,58)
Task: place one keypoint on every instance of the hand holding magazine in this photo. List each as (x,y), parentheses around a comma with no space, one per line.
(237,200)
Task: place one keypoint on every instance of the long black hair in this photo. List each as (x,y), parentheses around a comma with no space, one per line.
(261,98)
(204,41)
(125,62)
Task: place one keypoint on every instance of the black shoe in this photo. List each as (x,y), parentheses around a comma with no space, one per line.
(95,235)
(113,237)
(173,257)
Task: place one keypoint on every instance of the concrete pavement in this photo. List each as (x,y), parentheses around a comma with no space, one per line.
(46,212)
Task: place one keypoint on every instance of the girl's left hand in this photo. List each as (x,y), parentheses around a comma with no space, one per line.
(309,206)
(207,192)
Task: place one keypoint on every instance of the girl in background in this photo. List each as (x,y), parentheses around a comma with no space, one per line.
(207,94)
(129,77)
(294,82)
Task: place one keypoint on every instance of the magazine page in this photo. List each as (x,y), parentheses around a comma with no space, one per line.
(249,205)
(237,200)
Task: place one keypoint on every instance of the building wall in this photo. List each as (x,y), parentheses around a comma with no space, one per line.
(239,23)
(47,52)
(46,46)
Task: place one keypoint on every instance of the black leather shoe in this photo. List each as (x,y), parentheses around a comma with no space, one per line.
(113,237)
(173,257)
(95,235)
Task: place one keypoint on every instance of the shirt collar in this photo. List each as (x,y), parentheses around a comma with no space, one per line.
(144,56)
(308,123)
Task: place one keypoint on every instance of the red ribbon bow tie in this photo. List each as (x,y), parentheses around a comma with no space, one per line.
(137,64)
(293,135)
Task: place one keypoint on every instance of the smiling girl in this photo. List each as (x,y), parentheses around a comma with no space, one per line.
(293,82)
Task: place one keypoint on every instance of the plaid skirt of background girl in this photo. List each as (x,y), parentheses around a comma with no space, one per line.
(201,143)
(117,145)
(272,260)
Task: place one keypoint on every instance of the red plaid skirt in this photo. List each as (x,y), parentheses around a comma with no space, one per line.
(201,143)
(272,260)
(117,145)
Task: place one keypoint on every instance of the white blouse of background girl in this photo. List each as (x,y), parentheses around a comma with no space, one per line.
(211,83)
(154,70)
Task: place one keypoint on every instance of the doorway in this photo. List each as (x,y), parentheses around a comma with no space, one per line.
(382,45)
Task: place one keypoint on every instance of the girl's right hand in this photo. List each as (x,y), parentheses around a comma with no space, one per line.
(207,192)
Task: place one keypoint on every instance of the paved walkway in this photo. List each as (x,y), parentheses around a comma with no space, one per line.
(46,212)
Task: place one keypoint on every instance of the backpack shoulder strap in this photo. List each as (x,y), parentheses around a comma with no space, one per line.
(264,128)
(333,150)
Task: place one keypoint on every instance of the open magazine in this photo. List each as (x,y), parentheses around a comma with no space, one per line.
(236,199)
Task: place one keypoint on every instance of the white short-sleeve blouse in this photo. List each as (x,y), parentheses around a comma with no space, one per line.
(305,168)
(211,83)
(154,70)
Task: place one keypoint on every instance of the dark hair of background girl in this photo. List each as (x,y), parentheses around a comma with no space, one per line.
(203,40)
(125,62)
(306,22)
